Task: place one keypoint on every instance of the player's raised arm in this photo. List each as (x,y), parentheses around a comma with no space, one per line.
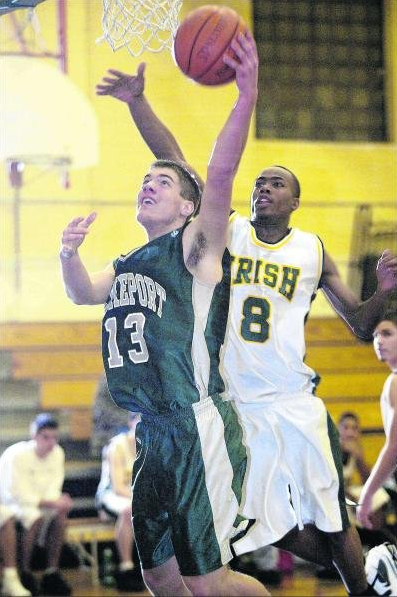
(208,229)
(360,316)
(81,287)
(130,89)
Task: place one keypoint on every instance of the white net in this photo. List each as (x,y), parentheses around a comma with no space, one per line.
(140,25)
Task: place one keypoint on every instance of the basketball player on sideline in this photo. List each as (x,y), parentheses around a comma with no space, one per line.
(385,345)
(164,323)
(295,482)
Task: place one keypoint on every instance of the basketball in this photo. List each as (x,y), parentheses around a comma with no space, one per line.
(201,41)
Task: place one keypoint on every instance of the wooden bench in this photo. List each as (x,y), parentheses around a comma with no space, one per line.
(92,531)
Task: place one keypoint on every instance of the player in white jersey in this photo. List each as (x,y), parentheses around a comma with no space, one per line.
(385,344)
(295,483)
(381,562)
(266,280)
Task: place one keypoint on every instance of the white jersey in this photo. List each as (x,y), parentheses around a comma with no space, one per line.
(385,404)
(272,287)
(119,443)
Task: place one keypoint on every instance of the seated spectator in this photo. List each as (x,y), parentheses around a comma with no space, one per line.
(114,497)
(356,471)
(11,585)
(352,450)
(32,474)
(108,419)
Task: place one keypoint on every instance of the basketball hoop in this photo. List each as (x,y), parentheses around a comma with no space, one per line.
(140,25)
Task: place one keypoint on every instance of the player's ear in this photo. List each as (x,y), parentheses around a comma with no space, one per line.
(295,203)
(187,208)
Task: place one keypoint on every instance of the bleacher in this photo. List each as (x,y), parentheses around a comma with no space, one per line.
(56,367)
(351,377)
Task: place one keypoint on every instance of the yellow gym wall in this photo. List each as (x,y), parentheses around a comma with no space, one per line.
(330,173)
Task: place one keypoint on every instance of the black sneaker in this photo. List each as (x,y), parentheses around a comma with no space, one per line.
(29,582)
(129,580)
(269,577)
(53,584)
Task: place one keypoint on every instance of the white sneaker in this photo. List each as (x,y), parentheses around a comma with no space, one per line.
(12,587)
(381,569)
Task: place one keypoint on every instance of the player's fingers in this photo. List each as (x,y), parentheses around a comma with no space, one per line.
(117,73)
(90,218)
(103,85)
(230,61)
(76,221)
(387,260)
(103,90)
(73,237)
(244,49)
(110,81)
(244,41)
(237,45)
(141,70)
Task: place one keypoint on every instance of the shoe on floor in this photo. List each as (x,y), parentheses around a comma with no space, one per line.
(54,584)
(12,587)
(269,577)
(29,581)
(129,580)
(381,569)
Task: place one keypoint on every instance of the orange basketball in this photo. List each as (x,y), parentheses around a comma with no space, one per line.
(201,41)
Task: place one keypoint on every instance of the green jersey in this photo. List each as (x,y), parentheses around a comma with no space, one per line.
(162,330)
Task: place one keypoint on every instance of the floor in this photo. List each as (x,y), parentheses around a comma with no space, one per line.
(302,582)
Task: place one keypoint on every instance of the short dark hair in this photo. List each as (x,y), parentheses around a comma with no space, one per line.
(348,414)
(191,184)
(389,313)
(43,421)
(297,186)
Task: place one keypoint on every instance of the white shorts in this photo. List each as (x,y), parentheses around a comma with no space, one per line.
(113,503)
(294,472)
(28,515)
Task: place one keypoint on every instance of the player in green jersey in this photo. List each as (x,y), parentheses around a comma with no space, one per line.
(165,317)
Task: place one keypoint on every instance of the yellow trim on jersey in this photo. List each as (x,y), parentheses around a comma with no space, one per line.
(232,216)
(269,246)
(320,250)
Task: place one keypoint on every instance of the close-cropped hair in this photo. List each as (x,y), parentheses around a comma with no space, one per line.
(190,185)
(389,314)
(43,421)
(297,186)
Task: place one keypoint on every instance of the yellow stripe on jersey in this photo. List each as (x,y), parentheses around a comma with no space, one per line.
(271,246)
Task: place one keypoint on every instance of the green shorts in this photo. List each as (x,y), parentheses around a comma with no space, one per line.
(187,486)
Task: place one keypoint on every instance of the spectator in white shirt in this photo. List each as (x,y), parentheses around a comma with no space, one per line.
(32,474)
(11,585)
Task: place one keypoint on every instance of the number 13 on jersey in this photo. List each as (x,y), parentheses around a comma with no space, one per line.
(139,353)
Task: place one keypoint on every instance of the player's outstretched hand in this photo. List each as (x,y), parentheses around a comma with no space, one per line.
(122,86)
(75,233)
(245,63)
(386,271)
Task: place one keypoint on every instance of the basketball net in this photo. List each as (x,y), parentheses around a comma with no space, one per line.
(21,32)
(140,25)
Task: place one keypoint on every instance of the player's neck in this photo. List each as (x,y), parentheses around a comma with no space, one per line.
(154,231)
(270,231)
